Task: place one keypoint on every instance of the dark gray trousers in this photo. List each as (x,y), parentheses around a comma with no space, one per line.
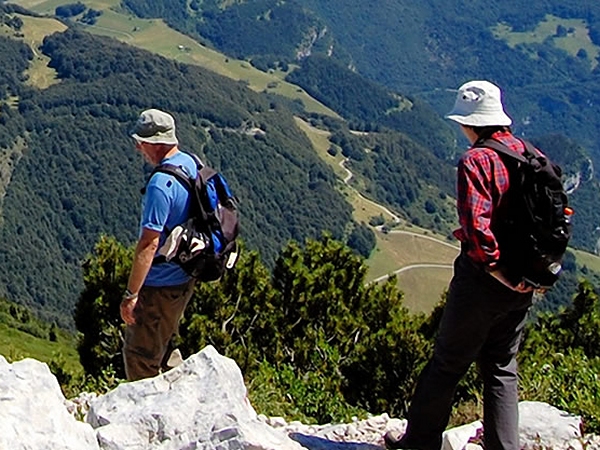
(147,344)
(483,321)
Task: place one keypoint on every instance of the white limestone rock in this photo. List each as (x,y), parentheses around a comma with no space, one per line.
(200,404)
(458,438)
(33,414)
(544,426)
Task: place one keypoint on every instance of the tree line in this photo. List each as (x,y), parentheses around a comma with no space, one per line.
(315,343)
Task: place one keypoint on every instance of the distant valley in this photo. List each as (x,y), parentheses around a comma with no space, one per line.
(377,129)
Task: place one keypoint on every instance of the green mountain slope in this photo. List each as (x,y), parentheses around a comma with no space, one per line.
(23,335)
(65,141)
(545,56)
(79,176)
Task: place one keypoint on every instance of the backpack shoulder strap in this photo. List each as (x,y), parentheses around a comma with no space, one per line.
(171,169)
(502,149)
(195,185)
(179,173)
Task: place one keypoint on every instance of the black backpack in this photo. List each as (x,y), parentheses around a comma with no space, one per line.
(532,223)
(205,245)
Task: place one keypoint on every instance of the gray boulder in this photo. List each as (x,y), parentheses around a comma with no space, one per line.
(544,426)
(33,413)
(201,404)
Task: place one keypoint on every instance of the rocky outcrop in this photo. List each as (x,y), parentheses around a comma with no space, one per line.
(202,404)
(199,404)
(33,414)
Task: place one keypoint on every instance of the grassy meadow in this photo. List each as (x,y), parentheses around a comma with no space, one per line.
(576,38)
(16,345)
(423,288)
(33,31)
(588,260)
(155,36)
(410,252)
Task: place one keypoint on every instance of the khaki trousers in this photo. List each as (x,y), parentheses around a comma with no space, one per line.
(147,344)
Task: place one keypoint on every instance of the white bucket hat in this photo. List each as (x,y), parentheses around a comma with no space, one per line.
(155,127)
(479,104)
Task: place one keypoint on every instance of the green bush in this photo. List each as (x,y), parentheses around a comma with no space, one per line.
(318,326)
(316,343)
(286,392)
(560,359)
(568,381)
(97,315)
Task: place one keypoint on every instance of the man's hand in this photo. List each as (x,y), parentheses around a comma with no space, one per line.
(522,287)
(127,306)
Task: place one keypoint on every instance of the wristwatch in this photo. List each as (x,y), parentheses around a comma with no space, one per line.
(128,295)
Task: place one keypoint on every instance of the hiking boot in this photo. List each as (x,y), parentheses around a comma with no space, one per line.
(393,440)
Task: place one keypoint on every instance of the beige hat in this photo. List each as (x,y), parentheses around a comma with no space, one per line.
(155,127)
(479,104)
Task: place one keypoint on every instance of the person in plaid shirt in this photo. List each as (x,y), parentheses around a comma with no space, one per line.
(485,314)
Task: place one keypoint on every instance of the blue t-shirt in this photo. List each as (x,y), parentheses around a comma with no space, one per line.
(164,206)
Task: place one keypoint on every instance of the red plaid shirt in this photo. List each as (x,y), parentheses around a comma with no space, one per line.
(482,180)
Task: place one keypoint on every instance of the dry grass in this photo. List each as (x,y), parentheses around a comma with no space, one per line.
(592,262)
(34,30)
(403,248)
(423,287)
(155,36)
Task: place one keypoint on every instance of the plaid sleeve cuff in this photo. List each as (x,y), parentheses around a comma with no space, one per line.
(490,267)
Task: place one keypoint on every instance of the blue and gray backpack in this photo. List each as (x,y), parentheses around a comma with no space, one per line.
(205,245)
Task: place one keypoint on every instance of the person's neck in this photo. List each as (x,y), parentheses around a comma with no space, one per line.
(169,152)
(469,134)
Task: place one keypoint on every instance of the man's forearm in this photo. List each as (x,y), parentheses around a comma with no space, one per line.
(142,261)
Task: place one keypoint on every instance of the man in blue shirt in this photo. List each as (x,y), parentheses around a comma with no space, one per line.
(156,295)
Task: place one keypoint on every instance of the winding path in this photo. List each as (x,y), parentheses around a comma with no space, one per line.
(347,179)
(424,236)
(410,267)
(396,219)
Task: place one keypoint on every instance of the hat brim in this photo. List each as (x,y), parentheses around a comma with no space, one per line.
(480,120)
(159,138)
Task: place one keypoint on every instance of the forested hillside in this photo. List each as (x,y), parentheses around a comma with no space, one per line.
(79,176)
(545,57)
(545,54)
(69,173)
(369,106)
(421,49)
